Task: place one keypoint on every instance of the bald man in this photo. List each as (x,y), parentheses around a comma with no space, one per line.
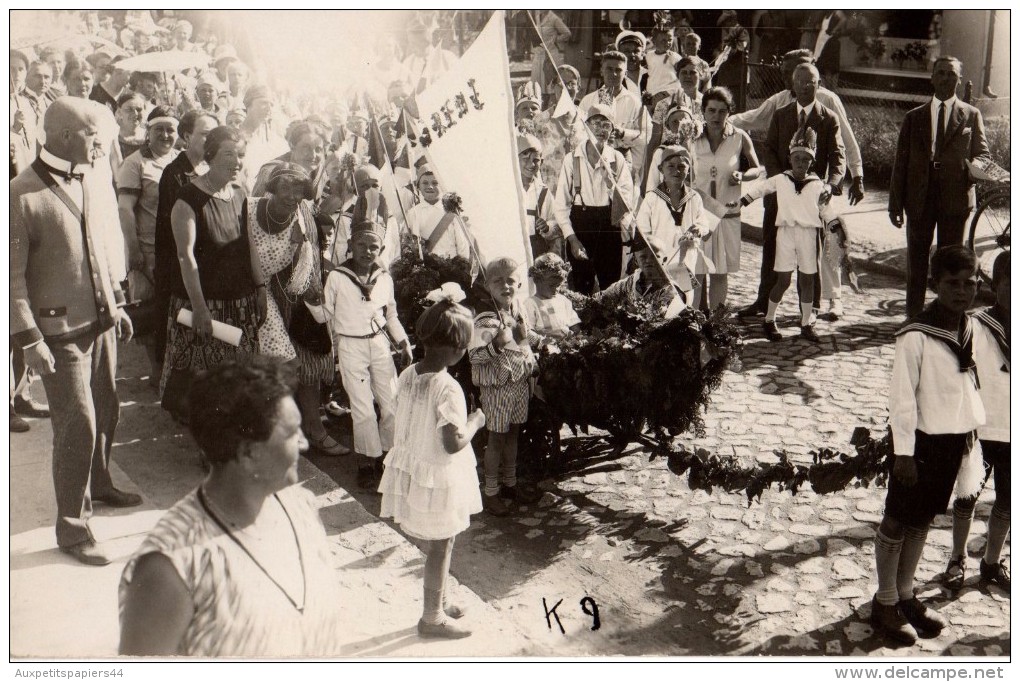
(66,313)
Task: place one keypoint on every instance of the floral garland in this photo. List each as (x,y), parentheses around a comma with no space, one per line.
(630,371)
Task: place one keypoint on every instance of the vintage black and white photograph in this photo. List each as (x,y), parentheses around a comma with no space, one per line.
(522,334)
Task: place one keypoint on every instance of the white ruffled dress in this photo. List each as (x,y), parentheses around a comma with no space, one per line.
(428,491)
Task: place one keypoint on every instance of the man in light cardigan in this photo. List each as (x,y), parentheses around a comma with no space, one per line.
(65,311)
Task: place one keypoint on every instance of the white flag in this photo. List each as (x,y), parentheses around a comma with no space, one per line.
(565,105)
(466,120)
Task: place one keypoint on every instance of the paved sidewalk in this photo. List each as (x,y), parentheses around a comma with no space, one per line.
(63,609)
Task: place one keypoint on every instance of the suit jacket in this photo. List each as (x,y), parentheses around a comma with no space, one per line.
(830,157)
(61,280)
(964,141)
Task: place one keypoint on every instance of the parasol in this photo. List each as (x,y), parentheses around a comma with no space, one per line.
(164,62)
(26,40)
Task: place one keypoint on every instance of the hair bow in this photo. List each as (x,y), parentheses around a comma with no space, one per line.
(450,291)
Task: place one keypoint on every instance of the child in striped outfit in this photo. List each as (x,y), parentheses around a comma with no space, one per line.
(502,363)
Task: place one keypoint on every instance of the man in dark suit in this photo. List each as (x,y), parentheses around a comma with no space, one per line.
(65,308)
(936,141)
(830,165)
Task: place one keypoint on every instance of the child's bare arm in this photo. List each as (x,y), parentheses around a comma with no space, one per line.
(455,438)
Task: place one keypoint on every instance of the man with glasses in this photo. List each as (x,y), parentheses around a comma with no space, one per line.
(589,205)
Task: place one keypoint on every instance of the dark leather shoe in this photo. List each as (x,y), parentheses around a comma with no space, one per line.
(890,620)
(771,331)
(520,494)
(367,478)
(753,310)
(956,573)
(927,622)
(996,574)
(808,333)
(445,630)
(18,425)
(494,504)
(26,408)
(88,552)
(118,498)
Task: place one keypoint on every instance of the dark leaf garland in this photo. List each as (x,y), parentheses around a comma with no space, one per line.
(830,472)
(414,278)
(629,371)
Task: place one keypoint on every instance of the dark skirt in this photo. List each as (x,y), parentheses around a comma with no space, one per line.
(184,356)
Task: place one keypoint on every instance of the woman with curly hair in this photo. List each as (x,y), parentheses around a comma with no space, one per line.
(241,566)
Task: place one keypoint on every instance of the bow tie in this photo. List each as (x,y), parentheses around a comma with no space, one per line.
(68,176)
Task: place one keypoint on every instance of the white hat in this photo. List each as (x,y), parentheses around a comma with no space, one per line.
(630,35)
(599,109)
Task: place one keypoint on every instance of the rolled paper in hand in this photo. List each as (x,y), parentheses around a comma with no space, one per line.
(221,331)
(317,311)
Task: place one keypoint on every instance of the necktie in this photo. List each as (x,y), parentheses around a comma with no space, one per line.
(940,130)
(803,118)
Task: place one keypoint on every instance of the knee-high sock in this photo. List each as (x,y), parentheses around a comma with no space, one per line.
(887,559)
(910,556)
(963,515)
(998,526)
(491,461)
(773,308)
(508,458)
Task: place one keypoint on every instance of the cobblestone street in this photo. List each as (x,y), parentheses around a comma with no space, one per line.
(677,572)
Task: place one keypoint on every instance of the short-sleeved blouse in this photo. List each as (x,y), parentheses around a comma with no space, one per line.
(238,609)
(139,175)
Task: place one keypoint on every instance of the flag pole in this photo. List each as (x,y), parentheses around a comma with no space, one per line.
(386,153)
(602,162)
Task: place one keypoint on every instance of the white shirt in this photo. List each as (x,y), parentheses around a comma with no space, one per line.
(595,187)
(934,108)
(795,210)
(422,220)
(661,73)
(656,222)
(350,314)
(994,389)
(928,392)
(529,197)
(75,190)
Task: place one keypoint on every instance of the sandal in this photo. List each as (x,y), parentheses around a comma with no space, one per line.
(327,446)
(956,573)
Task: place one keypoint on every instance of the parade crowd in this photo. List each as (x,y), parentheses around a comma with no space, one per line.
(241,234)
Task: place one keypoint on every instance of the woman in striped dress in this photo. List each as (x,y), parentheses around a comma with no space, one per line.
(241,566)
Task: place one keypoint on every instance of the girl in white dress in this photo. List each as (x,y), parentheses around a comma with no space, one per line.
(429,485)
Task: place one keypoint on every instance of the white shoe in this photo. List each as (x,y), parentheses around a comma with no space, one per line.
(336,409)
(836,308)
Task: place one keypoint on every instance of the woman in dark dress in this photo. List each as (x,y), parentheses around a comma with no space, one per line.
(220,278)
